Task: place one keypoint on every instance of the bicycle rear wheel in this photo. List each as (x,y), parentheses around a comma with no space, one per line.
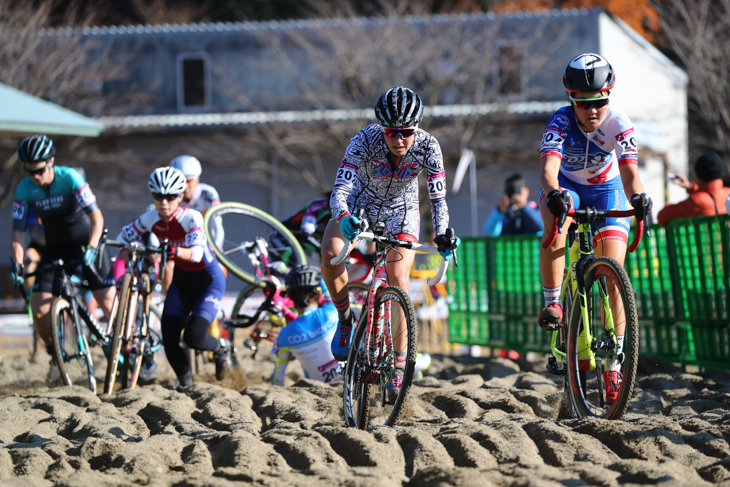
(116,339)
(70,347)
(242,225)
(368,398)
(609,299)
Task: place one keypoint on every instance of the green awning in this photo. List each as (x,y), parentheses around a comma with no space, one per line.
(24,113)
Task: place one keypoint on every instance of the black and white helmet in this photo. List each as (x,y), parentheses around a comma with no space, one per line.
(588,73)
(399,107)
(189,165)
(36,148)
(303,278)
(167,180)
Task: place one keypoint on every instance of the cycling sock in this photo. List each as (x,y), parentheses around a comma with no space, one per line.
(615,366)
(343,310)
(551,294)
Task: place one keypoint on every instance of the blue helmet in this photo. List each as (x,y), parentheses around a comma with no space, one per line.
(36,148)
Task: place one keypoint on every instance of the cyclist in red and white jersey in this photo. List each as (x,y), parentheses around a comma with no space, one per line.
(198,196)
(194,297)
(588,158)
(379,174)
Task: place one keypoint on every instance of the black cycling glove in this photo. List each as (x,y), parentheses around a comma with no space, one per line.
(558,202)
(642,205)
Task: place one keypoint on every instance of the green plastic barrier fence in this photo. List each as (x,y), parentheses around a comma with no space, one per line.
(680,275)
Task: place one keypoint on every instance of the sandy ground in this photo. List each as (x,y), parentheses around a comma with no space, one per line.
(472,421)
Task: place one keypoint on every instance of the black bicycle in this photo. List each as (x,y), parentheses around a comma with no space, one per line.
(68,315)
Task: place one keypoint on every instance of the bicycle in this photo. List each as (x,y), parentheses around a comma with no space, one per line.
(243,225)
(70,351)
(370,366)
(263,305)
(132,313)
(596,294)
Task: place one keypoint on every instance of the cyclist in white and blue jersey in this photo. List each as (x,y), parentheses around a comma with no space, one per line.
(308,337)
(588,158)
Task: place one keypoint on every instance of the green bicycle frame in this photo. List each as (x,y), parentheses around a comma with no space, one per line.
(580,255)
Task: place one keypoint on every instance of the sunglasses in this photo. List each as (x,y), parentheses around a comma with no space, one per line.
(168,197)
(393,133)
(589,103)
(36,172)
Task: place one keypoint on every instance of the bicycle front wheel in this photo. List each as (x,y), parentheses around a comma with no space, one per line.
(116,339)
(70,347)
(609,307)
(376,390)
(242,225)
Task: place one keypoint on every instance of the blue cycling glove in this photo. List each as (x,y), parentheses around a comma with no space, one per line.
(350,226)
(89,256)
(447,246)
(16,274)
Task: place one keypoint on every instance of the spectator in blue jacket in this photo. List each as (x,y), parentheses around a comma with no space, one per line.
(514,214)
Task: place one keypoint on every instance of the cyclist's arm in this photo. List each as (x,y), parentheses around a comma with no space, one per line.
(17,250)
(195,241)
(20,224)
(437,188)
(96,219)
(551,152)
(355,155)
(630,179)
(549,169)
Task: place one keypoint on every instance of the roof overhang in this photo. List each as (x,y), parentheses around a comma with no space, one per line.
(21,113)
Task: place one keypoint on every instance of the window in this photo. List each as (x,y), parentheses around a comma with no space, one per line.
(193,83)
(510,70)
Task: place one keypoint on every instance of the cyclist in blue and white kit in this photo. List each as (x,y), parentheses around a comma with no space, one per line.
(194,297)
(379,174)
(588,158)
(308,337)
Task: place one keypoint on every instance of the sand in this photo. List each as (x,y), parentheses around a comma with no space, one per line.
(472,421)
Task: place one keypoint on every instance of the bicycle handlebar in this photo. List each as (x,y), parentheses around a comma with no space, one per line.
(147,250)
(371,237)
(592,214)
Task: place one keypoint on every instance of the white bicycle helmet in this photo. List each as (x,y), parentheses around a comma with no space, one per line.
(188,165)
(167,180)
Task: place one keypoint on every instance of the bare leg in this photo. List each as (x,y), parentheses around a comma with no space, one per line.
(40,303)
(398,268)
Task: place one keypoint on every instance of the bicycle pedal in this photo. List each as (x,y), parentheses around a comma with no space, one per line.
(553,367)
(250,345)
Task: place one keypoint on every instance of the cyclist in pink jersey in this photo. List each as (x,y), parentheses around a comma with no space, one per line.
(588,159)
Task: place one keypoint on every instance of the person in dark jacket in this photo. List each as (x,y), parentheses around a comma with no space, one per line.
(515,214)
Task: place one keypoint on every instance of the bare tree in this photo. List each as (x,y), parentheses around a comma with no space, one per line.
(697,32)
(340,62)
(59,65)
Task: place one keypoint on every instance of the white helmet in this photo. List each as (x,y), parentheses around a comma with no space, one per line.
(189,165)
(167,180)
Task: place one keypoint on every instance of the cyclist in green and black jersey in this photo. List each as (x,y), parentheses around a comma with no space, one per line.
(72,221)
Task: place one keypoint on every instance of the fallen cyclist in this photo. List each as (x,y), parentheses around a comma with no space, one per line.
(308,337)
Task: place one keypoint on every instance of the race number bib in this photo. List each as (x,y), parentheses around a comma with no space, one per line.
(346,174)
(437,186)
(84,196)
(195,236)
(18,210)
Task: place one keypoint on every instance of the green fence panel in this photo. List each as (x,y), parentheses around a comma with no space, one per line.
(680,275)
(699,254)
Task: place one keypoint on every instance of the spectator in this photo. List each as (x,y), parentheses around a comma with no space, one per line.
(514,214)
(706,195)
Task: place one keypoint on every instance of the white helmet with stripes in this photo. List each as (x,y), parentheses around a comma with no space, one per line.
(167,180)
(399,107)
(188,165)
